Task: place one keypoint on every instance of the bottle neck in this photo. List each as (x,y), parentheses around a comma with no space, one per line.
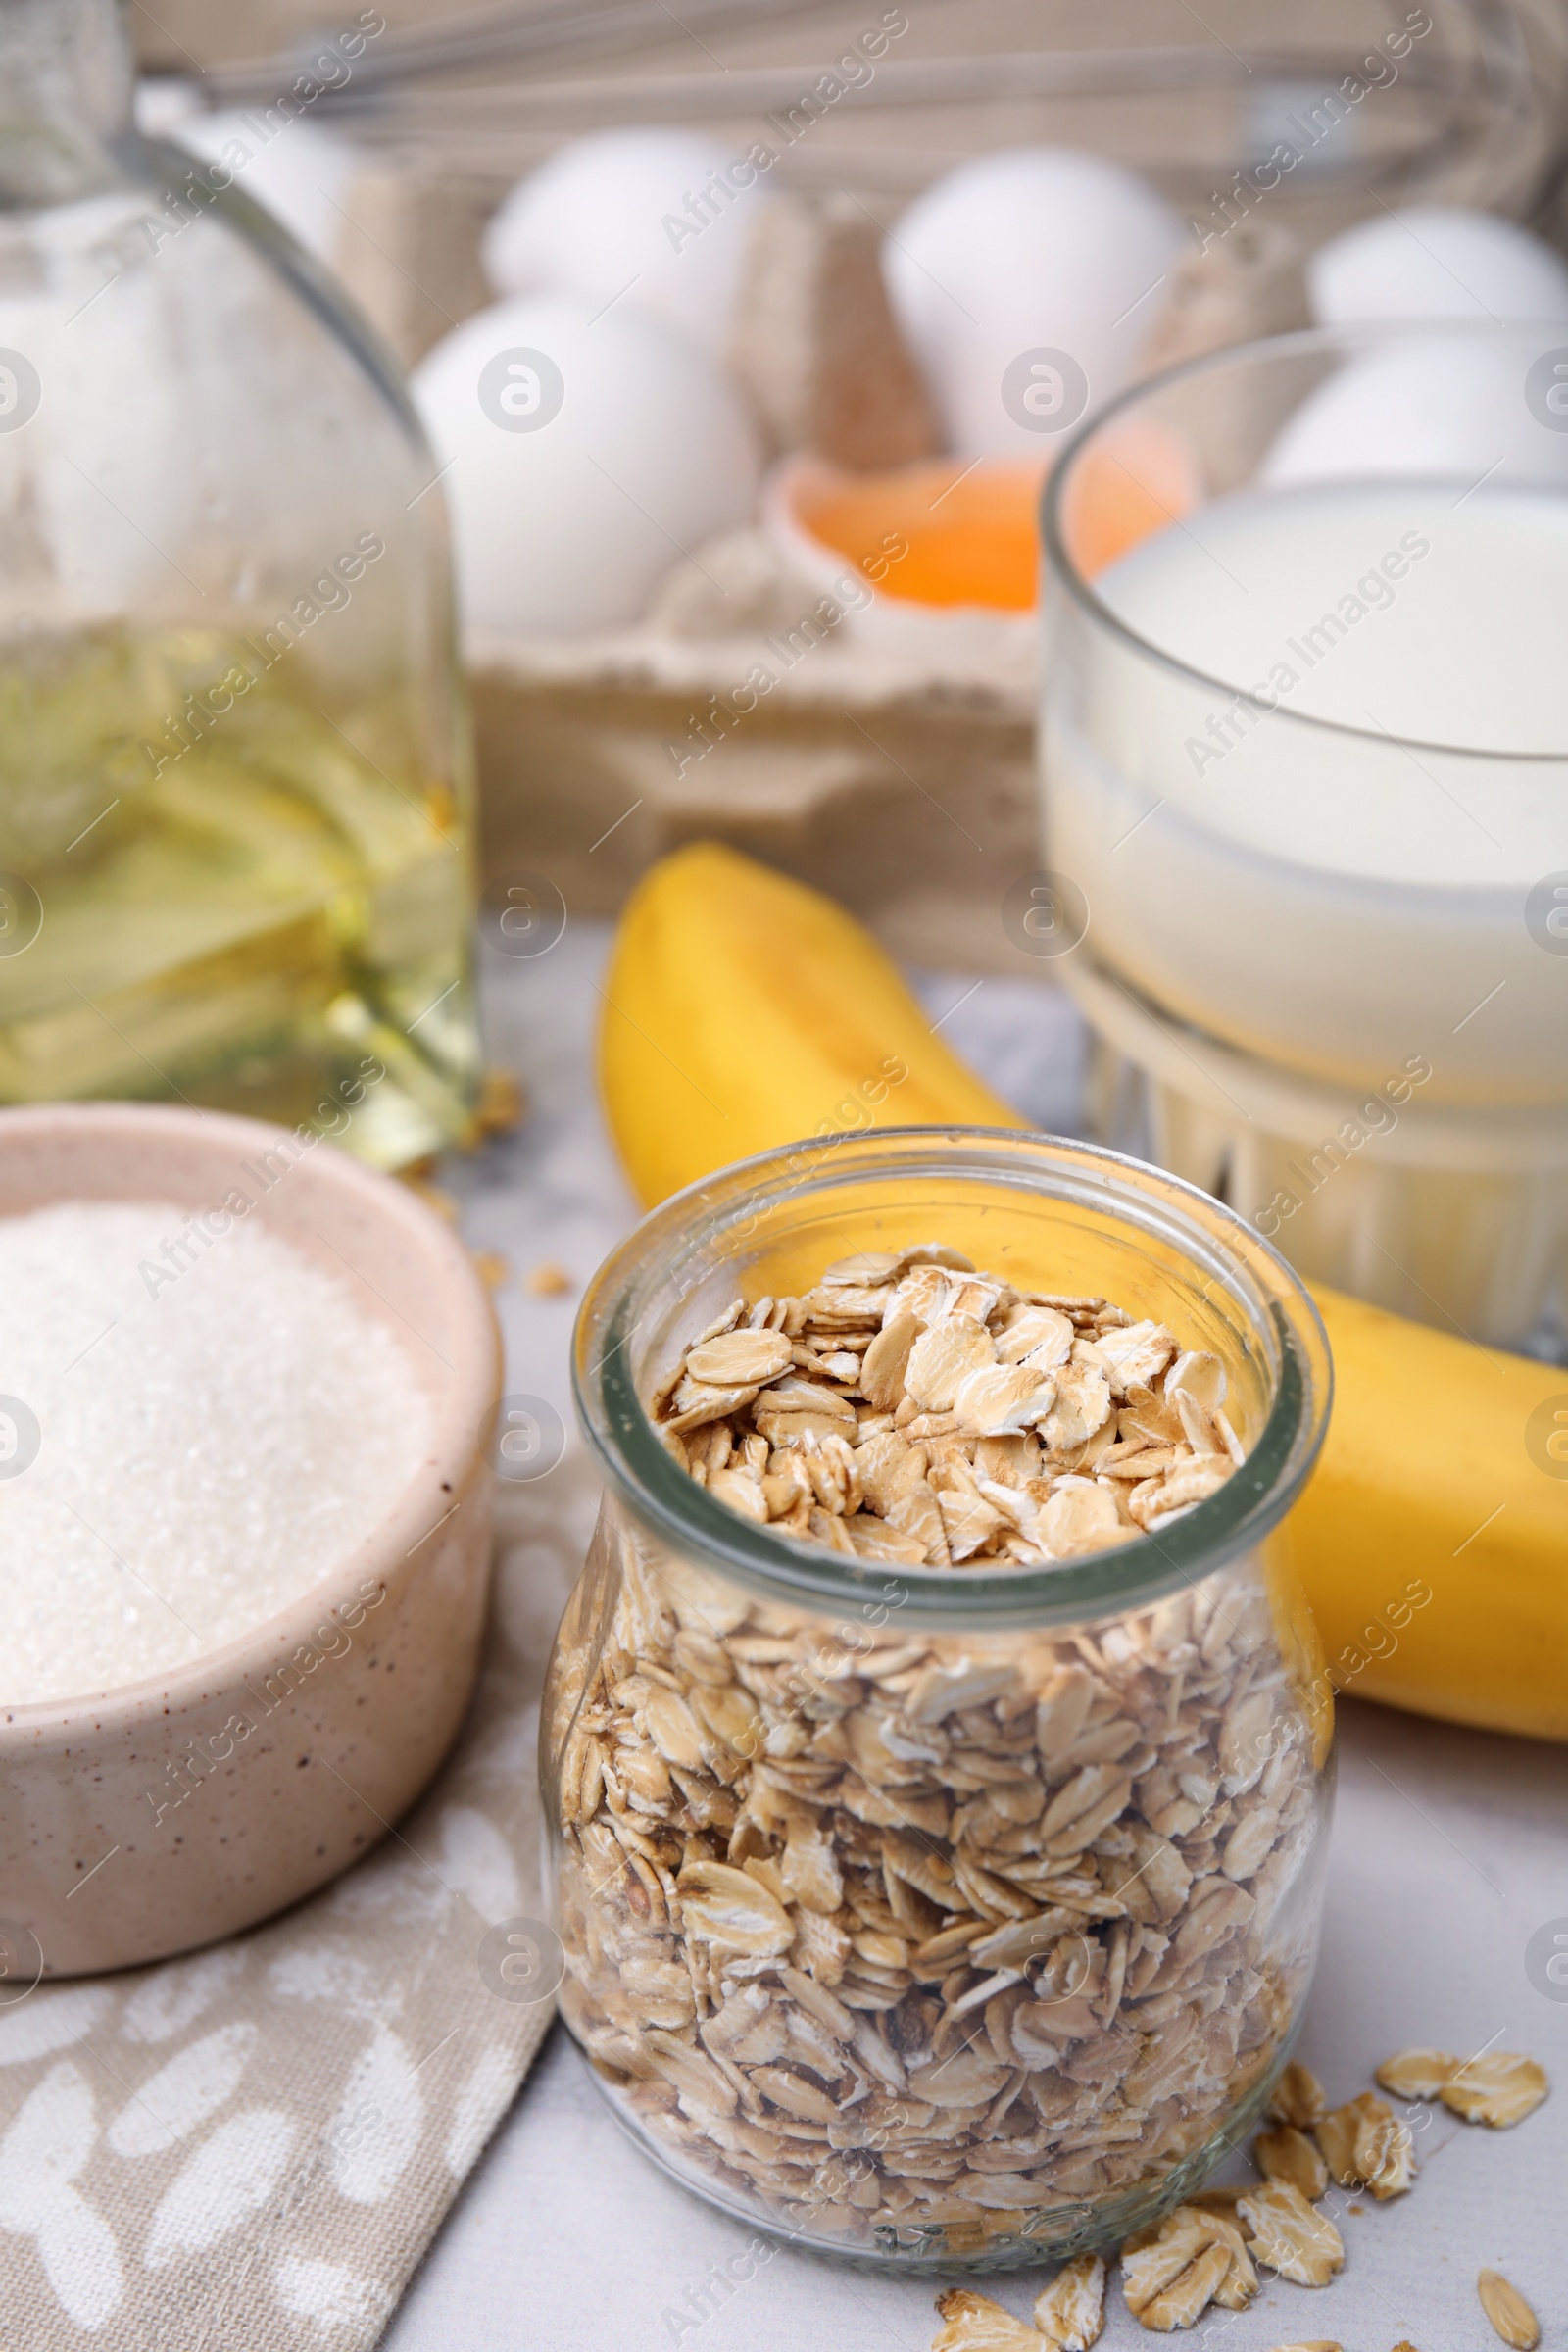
(65,99)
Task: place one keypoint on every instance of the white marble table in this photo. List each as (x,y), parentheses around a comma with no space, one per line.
(1449,1852)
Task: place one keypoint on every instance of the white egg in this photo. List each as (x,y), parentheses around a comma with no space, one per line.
(654,220)
(295,169)
(1038,250)
(1436,260)
(1451,408)
(588,453)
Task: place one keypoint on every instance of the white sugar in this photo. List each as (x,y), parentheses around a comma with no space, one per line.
(204,1455)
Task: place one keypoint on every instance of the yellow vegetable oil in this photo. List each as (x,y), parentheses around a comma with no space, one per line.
(216,891)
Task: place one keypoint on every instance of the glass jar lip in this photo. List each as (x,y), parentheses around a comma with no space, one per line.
(641,1471)
(1058,564)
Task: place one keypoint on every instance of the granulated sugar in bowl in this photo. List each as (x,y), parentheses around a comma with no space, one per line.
(244,1520)
(196,1432)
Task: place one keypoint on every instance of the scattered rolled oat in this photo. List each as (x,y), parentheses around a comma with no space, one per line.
(1287,2154)
(493,1270)
(909,1409)
(1418,2074)
(546,1280)
(1366,2147)
(973,2322)
(1173,2272)
(1188,2296)
(1289,2235)
(1510,2315)
(1499,2089)
(501,1106)
(1297,2097)
(1071,2310)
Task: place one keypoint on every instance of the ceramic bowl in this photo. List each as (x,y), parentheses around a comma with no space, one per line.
(166,1813)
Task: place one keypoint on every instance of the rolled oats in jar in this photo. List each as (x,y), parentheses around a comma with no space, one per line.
(934,1750)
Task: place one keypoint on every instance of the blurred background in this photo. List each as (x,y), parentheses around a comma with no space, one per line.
(303,489)
(395,170)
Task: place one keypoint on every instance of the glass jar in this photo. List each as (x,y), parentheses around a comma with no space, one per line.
(947,1917)
(234,789)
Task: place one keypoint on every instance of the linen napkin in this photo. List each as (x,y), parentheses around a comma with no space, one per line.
(248,2149)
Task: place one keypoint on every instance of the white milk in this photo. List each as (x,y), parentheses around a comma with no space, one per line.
(1332,901)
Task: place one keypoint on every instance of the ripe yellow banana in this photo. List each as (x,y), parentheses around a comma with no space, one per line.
(743,1010)
(1433,1537)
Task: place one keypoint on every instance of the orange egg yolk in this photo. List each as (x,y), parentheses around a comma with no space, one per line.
(945,533)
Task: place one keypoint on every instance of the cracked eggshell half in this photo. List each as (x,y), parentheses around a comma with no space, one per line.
(918,563)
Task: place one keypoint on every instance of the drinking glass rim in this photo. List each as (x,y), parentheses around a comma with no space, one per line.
(1279,1312)
(1058,564)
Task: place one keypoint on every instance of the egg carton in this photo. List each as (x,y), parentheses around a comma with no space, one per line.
(905,788)
(891,764)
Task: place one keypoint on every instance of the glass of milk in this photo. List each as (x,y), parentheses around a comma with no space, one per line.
(1305,764)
